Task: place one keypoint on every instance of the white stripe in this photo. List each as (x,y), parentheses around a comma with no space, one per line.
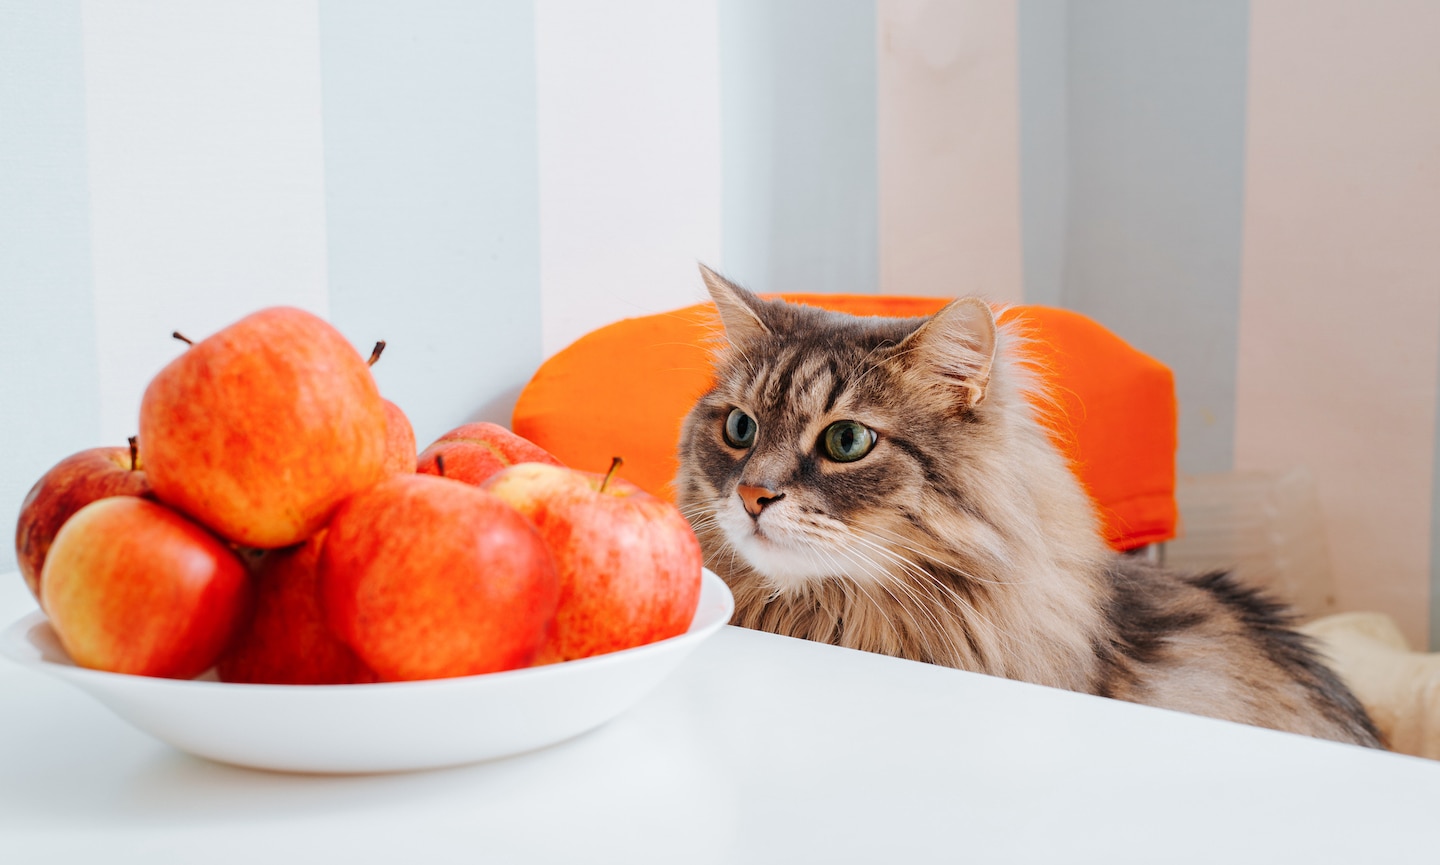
(206,177)
(629,131)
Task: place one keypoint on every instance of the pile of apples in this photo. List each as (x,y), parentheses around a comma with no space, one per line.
(273,521)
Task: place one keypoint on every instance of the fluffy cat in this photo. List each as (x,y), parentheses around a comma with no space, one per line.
(883,484)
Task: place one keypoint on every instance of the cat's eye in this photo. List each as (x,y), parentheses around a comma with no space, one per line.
(739,429)
(846,441)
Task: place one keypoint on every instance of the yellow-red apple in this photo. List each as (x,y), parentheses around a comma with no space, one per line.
(69,485)
(475,451)
(400,457)
(262,429)
(131,586)
(629,563)
(287,641)
(425,578)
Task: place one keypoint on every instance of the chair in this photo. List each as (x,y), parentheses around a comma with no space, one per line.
(624,389)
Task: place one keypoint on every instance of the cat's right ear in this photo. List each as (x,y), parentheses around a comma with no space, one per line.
(957,346)
(738,308)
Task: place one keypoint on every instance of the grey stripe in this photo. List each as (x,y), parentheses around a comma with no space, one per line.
(48,357)
(1044,161)
(1154,154)
(432,199)
(799,148)
(1435,539)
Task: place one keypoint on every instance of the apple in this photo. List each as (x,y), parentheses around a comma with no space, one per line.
(629,563)
(262,429)
(69,485)
(475,451)
(131,586)
(287,641)
(399,433)
(426,578)
(400,457)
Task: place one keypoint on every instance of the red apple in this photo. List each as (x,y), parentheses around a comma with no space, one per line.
(287,641)
(72,483)
(426,578)
(261,430)
(629,563)
(475,451)
(131,586)
(400,455)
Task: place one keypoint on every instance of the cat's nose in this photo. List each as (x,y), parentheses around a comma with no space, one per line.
(756,498)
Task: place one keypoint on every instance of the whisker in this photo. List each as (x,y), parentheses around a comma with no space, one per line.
(885,582)
(932,583)
(907,544)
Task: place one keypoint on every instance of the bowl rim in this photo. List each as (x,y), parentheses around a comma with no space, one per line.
(17,644)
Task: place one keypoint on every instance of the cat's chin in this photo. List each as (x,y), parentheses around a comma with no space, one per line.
(783,566)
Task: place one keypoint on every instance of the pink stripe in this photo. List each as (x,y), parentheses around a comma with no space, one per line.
(1339,301)
(948,116)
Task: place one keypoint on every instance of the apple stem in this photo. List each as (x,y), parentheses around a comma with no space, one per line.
(134,452)
(375,353)
(615,463)
(183,338)
(440,464)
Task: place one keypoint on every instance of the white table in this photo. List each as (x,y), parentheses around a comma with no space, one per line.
(758,749)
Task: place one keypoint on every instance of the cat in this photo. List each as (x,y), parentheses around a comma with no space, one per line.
(884,484)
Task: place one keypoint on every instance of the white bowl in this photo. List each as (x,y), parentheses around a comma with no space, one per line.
(394,726)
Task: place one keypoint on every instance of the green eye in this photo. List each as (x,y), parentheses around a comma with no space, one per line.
(739,429)
(847,441)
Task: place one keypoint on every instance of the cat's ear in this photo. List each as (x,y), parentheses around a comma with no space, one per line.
(958,345)
(738,308)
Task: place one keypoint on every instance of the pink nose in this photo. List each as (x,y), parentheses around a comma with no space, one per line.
(756,498)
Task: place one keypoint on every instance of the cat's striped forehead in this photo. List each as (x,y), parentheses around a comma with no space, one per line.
(813,373)
(797,379)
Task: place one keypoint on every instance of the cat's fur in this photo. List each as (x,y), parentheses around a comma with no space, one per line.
(962,538)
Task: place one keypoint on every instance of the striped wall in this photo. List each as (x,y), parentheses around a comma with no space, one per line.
(1247,189)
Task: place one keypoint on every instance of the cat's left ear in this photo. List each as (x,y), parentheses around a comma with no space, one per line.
(958,345)
(738,308)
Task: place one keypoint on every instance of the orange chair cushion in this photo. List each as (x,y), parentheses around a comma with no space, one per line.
(624,389)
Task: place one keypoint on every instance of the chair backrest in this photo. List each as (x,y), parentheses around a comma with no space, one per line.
(624,389)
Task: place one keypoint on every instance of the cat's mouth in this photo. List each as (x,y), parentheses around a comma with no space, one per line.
(757,532)
(785,555)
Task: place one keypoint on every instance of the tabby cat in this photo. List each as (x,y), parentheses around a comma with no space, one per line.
(884,484)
